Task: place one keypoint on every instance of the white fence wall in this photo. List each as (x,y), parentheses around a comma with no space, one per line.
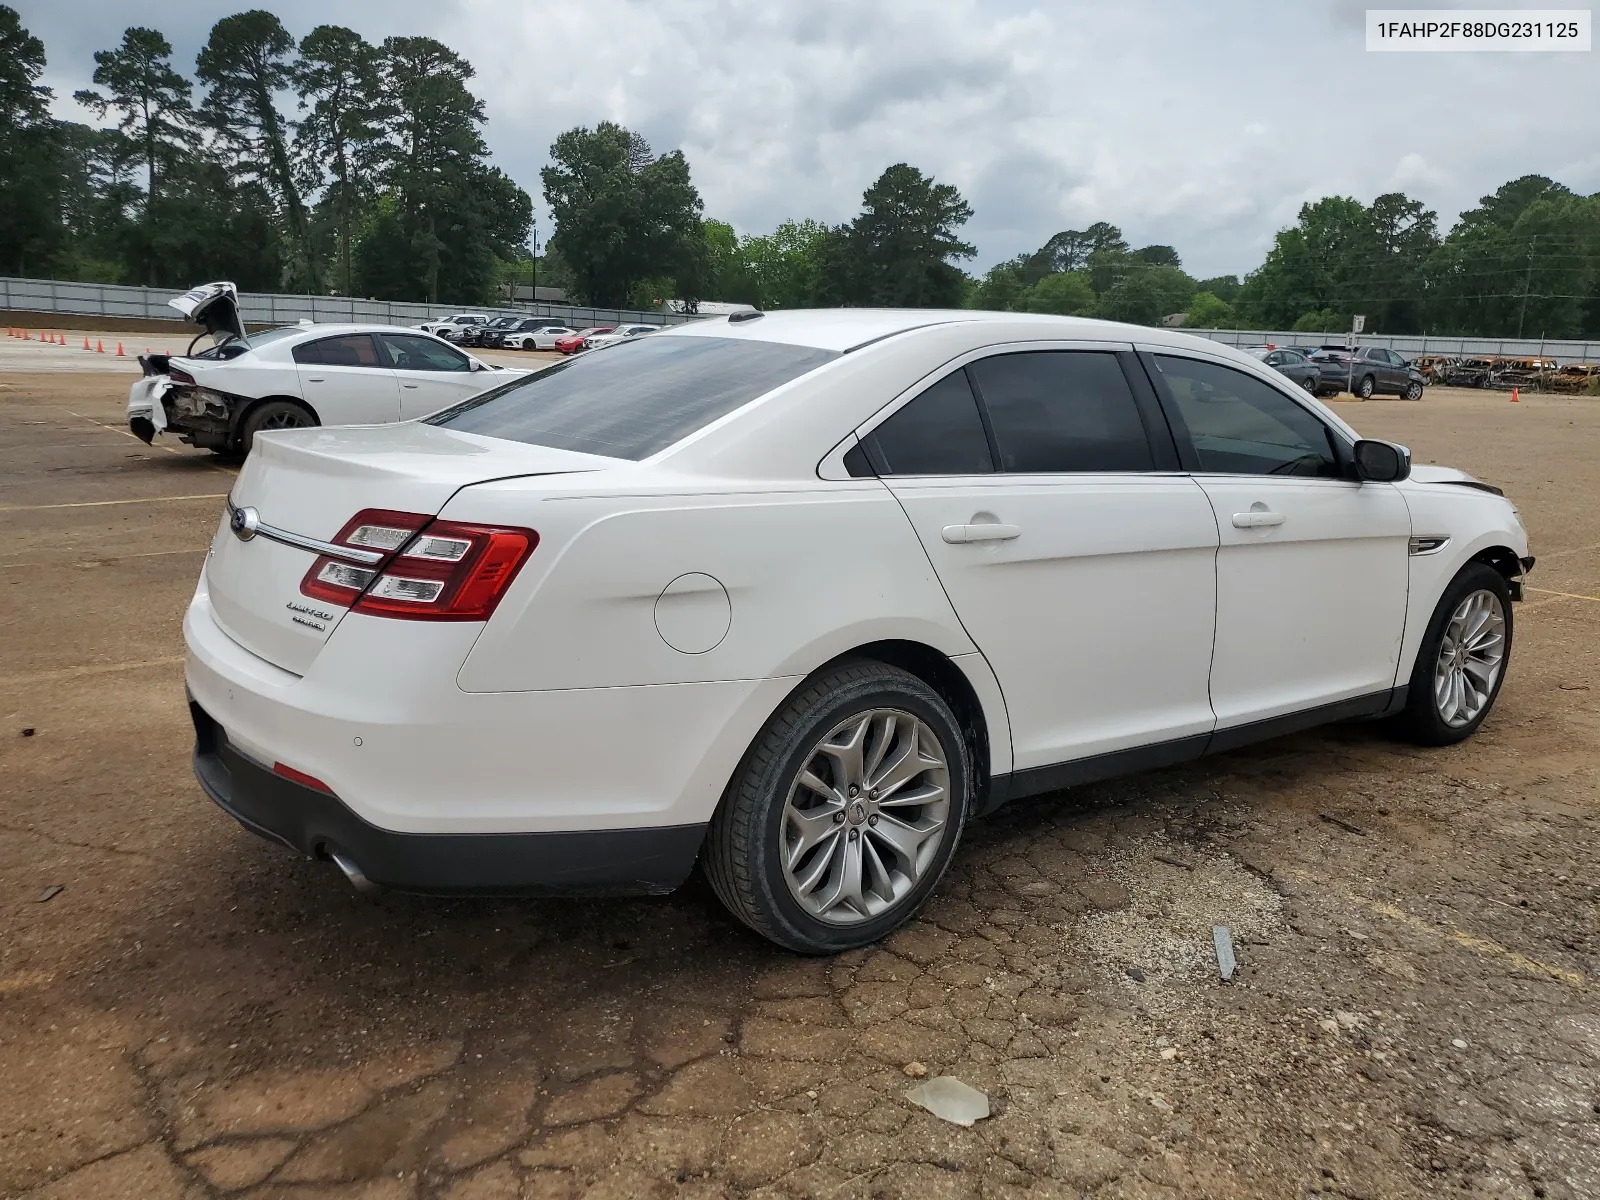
(1411,346)
(116,300)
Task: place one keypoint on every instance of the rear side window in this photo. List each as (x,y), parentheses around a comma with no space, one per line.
(938,433)
(633,399)
(405,352)
(351,350)
(1241,426)
(1062,411)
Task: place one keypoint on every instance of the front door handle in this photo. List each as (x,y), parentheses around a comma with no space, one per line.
(317,379)
(411,386)
(958,535)
(1256,520)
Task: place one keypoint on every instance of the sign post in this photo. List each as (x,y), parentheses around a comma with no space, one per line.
(1357,324)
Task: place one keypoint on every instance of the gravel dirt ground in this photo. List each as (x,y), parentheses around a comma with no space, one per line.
(197,1013)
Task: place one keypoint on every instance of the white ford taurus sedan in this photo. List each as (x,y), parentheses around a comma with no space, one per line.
(798,594)
(221,396)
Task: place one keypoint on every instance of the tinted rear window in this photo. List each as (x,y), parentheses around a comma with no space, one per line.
(635,398)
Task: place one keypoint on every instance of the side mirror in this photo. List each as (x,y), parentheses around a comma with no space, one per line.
(1381,462)
(475,365)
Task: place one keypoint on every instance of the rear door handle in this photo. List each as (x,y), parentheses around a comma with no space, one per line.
(412,386)
(318,379)
(1256,520)
(958,535)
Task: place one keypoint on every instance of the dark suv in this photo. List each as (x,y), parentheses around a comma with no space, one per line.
(1367,371)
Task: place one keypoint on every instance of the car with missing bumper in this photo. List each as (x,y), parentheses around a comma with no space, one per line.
(221,396)
(796,596)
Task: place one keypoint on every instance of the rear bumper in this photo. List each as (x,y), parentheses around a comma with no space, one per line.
(647,861)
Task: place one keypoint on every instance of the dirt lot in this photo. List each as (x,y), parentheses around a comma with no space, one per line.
(199,1013)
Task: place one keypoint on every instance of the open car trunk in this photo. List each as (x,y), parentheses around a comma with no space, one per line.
(215,308)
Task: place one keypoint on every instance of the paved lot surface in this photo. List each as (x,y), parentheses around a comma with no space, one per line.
(197,1013)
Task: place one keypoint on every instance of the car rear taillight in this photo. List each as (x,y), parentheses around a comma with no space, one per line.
(178,375)
(431,570)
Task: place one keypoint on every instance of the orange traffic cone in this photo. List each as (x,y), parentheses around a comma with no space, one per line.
(61,339)
(99,346)
(86,341)
(120,354)
(1515,399)
(26,336)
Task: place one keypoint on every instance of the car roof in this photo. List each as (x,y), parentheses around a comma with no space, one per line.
(331,330)
(846,329)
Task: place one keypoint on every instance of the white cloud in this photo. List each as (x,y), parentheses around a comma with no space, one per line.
(1202,126)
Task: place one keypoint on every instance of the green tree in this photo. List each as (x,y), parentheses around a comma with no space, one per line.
(901,244)
(785,266)
(31,233)
(1522,263)
(622,215)
(151,99)
(246,62)
(451,214)
(1001,286)
(1223,287)
(1070,249)
(1147,295)
(1156,256)
(1068,293)
(340,138)
(1207,310)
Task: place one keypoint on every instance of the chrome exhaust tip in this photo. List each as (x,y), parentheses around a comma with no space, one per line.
(354,874)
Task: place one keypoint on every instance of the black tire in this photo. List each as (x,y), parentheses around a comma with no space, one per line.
(1365,388)
(1421,721)
(1413,391)
(273,414)
(744,842)
(1310,384)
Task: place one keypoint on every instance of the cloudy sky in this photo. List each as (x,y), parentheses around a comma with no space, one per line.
(1202,125)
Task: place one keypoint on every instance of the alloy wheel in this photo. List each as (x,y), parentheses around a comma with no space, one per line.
(1472,653)
(288,418)
(865,816)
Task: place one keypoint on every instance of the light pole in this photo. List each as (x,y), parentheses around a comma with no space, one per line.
(1527,286)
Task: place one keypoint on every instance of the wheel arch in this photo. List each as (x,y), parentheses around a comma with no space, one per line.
(966,683)
(242,412)
(1430,576)
(1505,560)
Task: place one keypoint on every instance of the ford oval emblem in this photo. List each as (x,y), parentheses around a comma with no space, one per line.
(243,522)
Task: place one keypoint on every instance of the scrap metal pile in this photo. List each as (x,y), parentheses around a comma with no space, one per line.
(1503,373)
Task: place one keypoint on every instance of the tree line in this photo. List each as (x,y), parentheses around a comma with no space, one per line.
(376,184)
(333,165)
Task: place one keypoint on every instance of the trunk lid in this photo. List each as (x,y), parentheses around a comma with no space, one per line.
(214,306)
(309,483)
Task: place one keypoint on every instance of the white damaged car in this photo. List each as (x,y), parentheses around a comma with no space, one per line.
(221,396)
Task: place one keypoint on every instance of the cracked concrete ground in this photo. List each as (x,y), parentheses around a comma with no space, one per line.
(198,1013)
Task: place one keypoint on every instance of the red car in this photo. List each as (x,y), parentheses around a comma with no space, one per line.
(574,343)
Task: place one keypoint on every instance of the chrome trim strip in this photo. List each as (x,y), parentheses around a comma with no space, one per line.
(1428,544)
(349,554)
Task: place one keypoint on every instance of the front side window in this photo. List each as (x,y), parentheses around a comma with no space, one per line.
(408,353)
(638,398)
(1062,411)
(351,350)
(1242,426)
(938,433)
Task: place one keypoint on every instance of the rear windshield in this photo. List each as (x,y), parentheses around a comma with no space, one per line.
(635,398)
